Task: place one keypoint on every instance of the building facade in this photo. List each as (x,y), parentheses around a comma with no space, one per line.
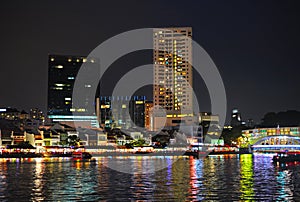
(122,111)
(173,73)
(236,119)
(62,72)
(148,112)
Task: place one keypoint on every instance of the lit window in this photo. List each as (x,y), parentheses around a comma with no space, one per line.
(139,102)
(69,60)
(59,84)
(71,78)
(59,66)
(67,98)
(84,60)
(52,59)
(87,85)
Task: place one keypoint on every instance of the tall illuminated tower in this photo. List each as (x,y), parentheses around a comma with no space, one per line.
(172,71)
(62,72)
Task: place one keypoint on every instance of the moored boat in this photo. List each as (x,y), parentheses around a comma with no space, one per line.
(201,149)
(82,156)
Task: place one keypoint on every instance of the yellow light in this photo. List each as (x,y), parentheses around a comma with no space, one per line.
(69,60)
(52,59)
(139,102)
(105,106)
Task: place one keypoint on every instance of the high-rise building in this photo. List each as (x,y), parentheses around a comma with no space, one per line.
(173,72)
(236,119)
(137,110)
(62,71)
(122,111)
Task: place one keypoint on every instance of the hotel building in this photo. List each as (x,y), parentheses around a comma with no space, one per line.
(173,73)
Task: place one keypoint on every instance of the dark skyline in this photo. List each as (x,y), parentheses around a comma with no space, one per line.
(254,44)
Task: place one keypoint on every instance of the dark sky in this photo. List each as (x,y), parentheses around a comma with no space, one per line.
(255,45)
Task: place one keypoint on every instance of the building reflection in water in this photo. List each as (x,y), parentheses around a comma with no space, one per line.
(284,183)
(246,182)
(3,178)
(225,178)
(38,182)
(196,174)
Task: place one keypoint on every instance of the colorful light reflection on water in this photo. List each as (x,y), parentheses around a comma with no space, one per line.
(216,178)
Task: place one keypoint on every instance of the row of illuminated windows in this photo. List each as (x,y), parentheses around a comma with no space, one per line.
(92,60)
(168,41)
(179,72)
(172,35)
(270,133)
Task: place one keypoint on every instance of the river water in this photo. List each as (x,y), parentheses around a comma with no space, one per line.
(216,178)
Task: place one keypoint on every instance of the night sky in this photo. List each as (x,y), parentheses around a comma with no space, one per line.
(254,44)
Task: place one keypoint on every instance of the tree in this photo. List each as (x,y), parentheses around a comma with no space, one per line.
(232,135)
(139,142)
(73,140)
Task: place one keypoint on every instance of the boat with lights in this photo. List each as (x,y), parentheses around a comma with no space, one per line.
(82,156)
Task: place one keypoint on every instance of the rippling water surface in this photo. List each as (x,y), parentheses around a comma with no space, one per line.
(221,178)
